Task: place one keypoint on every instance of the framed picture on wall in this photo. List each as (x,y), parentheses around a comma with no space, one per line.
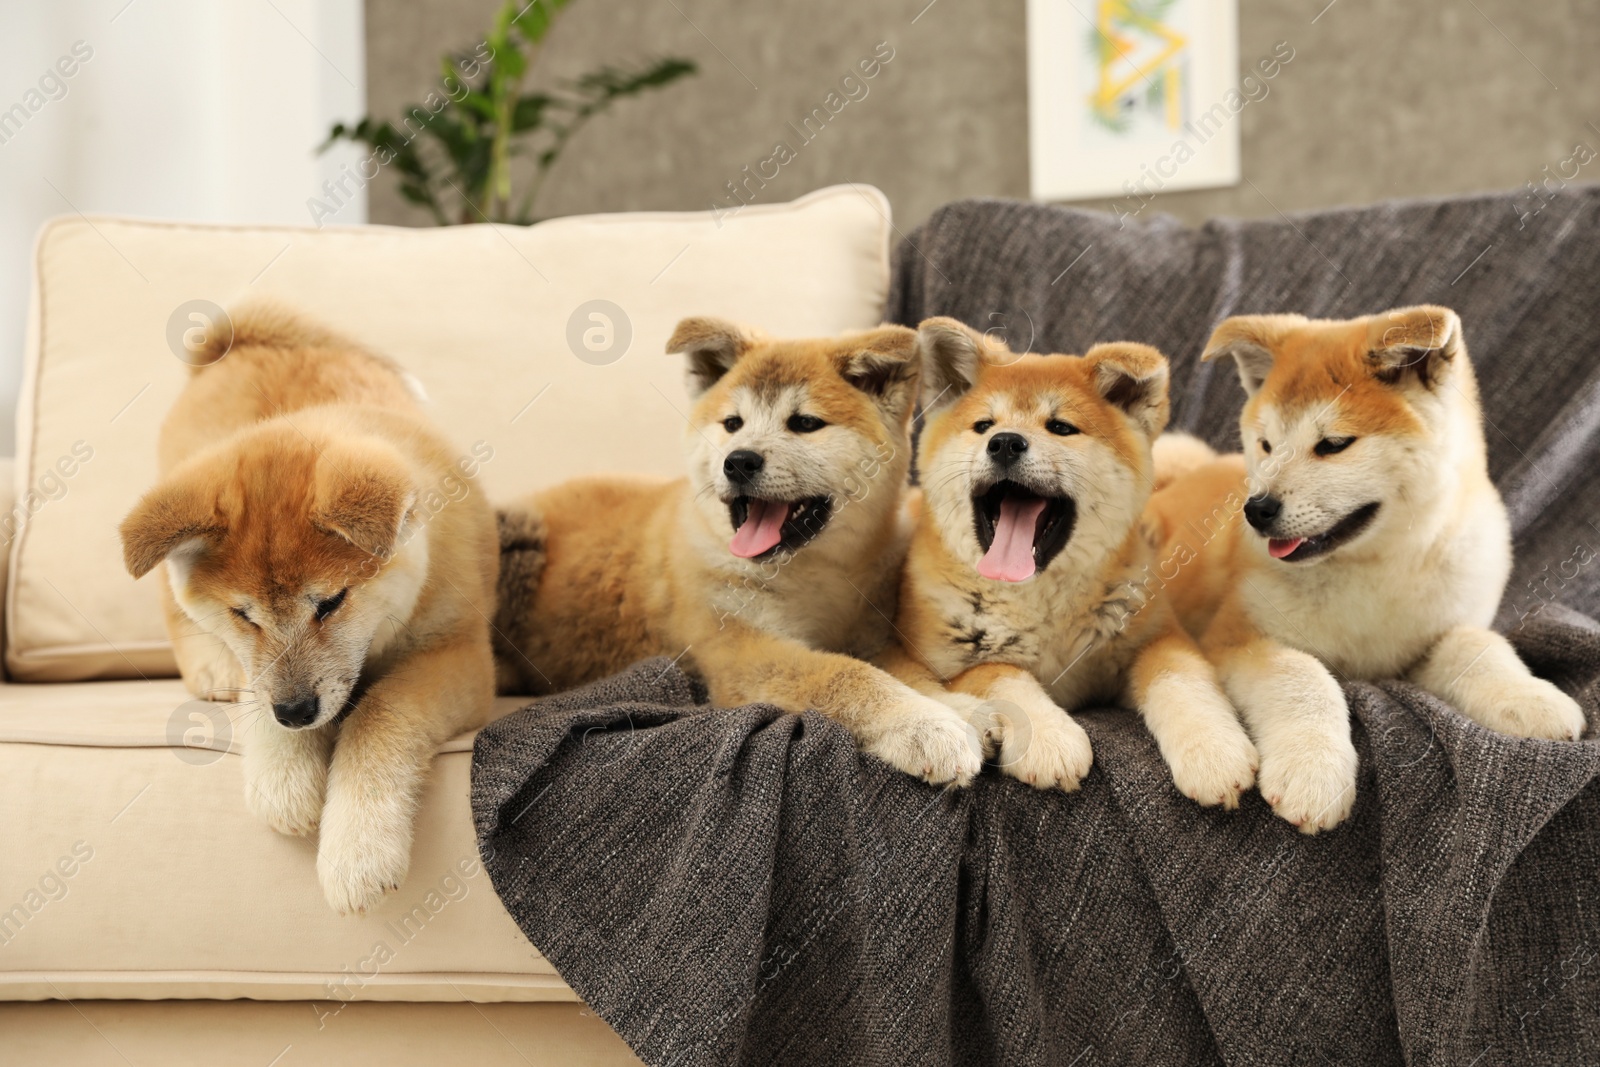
(1129,98)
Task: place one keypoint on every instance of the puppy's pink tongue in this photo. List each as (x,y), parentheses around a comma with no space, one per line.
(1010,555)
(1282,546)
(762,529)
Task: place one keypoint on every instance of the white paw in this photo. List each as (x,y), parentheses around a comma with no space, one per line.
(287,795)
(1213,764)
(1312,783)
(358,868)
(928,740)
(974,711)
(1045,748)
(1532,707)
(287,803)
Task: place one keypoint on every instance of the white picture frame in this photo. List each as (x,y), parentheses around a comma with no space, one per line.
(1128,98)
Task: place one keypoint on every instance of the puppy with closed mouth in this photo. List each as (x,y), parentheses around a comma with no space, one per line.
(1027,585)
(770,571)
(1358,535)
(326,557)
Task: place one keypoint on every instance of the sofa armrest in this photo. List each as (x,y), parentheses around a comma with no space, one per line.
(8,501)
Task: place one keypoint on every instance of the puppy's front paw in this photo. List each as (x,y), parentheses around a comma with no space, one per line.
(285,780)
(928,740)
(1213,764)
(1044,747)
(1532,707)
(357,869)
(1311,782)
(976,712)
(288,797)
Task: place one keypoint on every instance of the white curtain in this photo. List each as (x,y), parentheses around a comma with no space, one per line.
(184,109)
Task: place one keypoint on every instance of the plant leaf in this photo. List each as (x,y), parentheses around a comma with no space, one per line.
(477,103)
(534,19)
(529,112)
(609,83)
(534,22)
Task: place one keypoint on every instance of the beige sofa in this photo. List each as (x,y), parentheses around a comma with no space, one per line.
(145,915)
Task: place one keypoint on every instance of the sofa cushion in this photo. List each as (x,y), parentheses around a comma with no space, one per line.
(543,344)
(133,869)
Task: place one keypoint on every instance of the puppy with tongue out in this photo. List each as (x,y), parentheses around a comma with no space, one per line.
(1028,586)
(770,571)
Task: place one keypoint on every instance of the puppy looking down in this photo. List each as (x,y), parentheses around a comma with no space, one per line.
(767,570)
(1028,587)
(1358,535)
(304,573)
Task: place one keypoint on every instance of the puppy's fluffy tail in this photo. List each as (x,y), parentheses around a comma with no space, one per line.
(1178,454)
(268,324)
(522,558)
(263,323)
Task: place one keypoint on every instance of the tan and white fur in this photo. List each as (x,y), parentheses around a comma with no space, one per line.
(1358,537)
(1028,584)
(770,571)
(329,559)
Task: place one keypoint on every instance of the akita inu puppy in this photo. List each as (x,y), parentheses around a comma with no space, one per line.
(1373,544)
(768,569)
(1028,581)
(324,556)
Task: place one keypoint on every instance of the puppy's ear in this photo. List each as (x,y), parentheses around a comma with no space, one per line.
(176,512)
(885,364)
(952,355)
(364,492)
(1250,340)
(1132,377)
(1414,344)
(713,347)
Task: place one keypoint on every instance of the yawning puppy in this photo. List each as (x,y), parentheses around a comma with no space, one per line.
(1372,541)
(326,557)
(767,569)
(1028,582)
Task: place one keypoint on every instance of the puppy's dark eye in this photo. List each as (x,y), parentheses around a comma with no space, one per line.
(1329,445)
(732,423)
(1266,446)
(805,423)
(245,615)
(1061,428)
(983,426)
(329,606)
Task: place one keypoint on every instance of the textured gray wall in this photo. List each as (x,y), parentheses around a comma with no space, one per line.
(1384,98)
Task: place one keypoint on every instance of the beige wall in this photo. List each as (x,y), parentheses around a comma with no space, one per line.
(1384,98)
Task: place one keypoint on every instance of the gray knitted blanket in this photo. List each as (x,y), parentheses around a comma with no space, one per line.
(741,886)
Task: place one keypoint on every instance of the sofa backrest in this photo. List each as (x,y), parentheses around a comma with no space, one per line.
(544,344)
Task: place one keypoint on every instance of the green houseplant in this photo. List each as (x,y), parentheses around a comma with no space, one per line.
(453,152)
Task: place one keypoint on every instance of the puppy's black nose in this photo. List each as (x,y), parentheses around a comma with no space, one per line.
(743,465)
(1260,511)
(1006,447)
(299,713)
